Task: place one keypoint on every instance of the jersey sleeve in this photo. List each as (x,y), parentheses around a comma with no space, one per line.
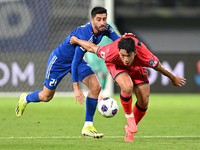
(79,53)
(109,52)
(145,56)
(153,62)
(112,33)
(78,57)
(100,52)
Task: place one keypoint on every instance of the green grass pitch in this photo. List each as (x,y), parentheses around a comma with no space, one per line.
(171,122)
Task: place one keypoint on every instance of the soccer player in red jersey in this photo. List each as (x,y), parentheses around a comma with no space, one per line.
(126,59)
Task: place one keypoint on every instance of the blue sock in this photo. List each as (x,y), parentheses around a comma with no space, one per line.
(91,104)
(33,97)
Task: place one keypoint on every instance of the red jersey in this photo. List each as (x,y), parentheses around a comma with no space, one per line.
(143,58)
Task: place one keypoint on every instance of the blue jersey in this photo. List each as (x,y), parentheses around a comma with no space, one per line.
(73,54)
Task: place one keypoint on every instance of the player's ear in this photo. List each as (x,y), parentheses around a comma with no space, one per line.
(135,53)
(91,19)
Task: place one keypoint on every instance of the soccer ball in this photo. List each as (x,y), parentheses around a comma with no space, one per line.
(108,107)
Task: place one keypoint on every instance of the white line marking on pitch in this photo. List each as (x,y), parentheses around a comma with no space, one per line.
(109,137)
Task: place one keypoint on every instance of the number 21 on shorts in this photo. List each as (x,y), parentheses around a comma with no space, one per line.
(52,82)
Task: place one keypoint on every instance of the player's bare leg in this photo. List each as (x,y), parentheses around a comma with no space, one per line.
(46,94)
(142,94)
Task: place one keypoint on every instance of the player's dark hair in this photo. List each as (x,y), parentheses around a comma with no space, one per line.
(128,44)
(98,10)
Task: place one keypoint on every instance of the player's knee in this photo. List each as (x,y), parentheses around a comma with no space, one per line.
(47,98)
(96,89)
(128,89)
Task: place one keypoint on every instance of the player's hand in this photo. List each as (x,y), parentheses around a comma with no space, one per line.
(178,81)
(79,96)
(73,40)
(128,34)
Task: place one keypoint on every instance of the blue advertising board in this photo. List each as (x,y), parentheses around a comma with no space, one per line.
(24,25)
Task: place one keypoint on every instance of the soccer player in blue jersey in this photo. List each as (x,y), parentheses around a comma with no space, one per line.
(67,58)
(98,65)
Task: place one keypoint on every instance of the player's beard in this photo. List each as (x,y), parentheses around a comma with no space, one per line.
(98,28)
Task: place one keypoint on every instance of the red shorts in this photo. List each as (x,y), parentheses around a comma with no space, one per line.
(139,75)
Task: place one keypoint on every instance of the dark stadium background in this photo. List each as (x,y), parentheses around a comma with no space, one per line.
(30,30)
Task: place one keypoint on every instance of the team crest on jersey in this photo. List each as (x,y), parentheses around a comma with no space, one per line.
(103,54)
(111,30)
(152,63)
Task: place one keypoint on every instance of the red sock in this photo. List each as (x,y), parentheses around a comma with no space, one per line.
(138,112)
(126,101)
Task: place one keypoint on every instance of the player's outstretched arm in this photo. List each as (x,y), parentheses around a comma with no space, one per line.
(176,80)
(90,47)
